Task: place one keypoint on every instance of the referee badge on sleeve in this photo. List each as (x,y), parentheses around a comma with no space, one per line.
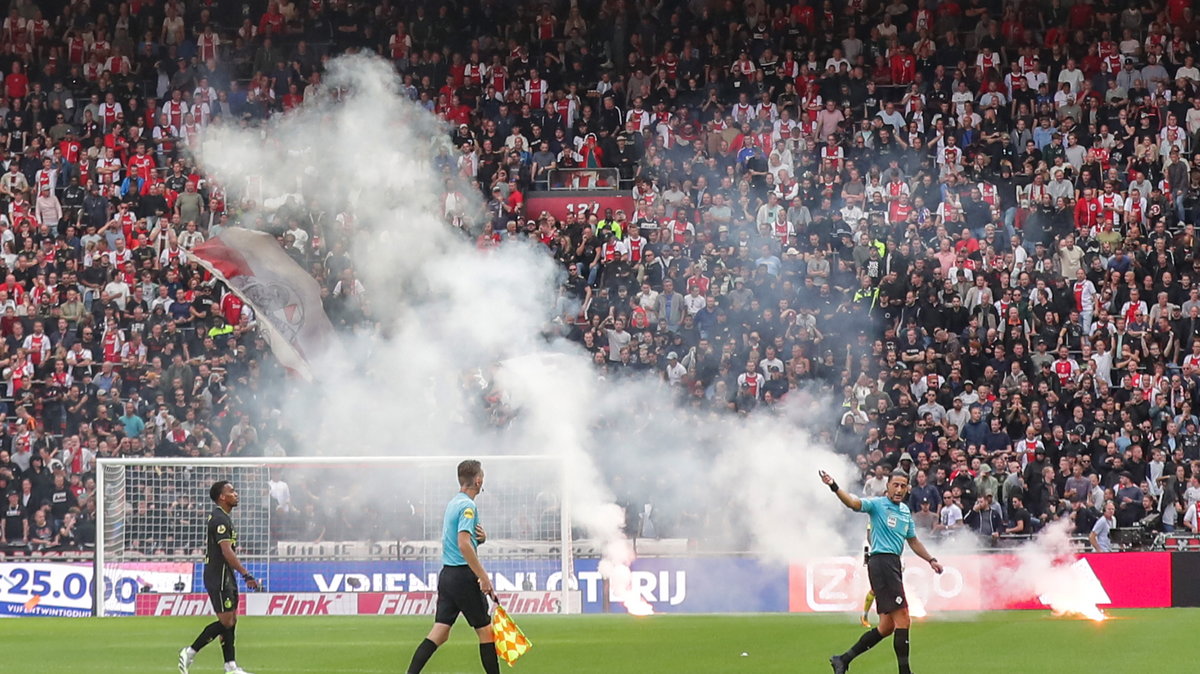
(220,528)
(469,513)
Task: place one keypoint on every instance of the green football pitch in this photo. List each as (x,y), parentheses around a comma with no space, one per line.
(1162,641)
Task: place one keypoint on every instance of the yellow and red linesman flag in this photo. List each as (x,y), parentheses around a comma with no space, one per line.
(510,640)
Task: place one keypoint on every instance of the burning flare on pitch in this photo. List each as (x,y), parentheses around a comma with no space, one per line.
(1050,570)
(614,567)
(1073,591)
(916,607)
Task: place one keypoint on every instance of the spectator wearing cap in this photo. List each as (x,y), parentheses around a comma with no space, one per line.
(793,268)
(777,384)
(1128,500)
(674,372)
(969,394)
(958,416)
(985,482)
(1075,444)
(925,516)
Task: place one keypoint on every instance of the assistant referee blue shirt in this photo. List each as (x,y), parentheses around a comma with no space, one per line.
(461,515)
(891,525)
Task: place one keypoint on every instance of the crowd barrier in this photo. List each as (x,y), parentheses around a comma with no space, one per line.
(726,584)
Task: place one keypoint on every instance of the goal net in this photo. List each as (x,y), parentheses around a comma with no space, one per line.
(327,535)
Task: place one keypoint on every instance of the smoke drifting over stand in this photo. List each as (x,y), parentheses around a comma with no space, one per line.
(456,322)
(455,319)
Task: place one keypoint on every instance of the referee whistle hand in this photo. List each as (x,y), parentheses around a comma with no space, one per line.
(936,566)
(252,583)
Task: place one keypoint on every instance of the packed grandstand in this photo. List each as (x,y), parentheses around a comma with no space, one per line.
(972,225)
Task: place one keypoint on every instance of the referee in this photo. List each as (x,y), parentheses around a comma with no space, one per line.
(462,584)
(220,563)
(891,525)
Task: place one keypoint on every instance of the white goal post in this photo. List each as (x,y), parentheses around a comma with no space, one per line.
(327,534)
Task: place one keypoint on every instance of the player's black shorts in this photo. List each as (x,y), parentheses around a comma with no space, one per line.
(223,593)
(887,582)
(458,592)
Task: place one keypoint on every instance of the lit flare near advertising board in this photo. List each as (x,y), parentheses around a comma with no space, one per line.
(615,567)
(1050,569)
(1074,591)
(916,607)
(1078,586)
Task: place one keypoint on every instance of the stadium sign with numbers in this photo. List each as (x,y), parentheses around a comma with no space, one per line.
(581,203)
(58,589)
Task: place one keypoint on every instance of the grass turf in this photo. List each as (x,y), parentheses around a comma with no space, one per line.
(1162,641)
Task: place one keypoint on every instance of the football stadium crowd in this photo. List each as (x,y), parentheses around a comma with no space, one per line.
(970,226)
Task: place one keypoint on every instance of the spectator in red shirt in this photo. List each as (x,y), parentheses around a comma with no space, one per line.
(903,66)
(16,85)
(271,22)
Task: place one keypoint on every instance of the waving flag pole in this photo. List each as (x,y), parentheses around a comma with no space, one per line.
(285,299)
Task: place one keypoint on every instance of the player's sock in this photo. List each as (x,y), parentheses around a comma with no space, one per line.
(865,643)
(487,655)
(867,603)
(211,631)
(900,643)
(424,652)
(227,648)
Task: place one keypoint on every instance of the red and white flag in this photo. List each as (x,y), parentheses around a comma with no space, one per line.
(284,297)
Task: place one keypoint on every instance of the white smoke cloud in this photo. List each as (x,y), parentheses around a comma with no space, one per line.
(1048,569)
(448,310)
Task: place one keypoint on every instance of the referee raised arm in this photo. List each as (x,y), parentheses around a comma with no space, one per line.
(463,584)
(891,525)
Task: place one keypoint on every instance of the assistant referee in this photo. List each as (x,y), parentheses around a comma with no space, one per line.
(463,585)
(891,525)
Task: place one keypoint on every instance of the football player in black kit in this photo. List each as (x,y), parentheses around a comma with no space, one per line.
(220,563)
